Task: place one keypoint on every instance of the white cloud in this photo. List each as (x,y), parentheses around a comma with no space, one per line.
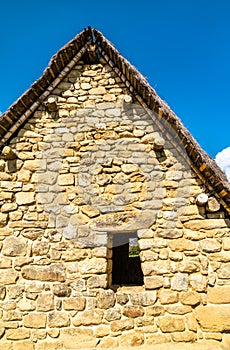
(223,160)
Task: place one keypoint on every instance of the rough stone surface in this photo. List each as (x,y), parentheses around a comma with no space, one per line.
(98,167)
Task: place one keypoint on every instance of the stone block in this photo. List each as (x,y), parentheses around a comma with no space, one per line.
(224,271)
(182,244)
(17,334)
(8,276)
(58,319)
(112,314)
(219,295)
(210,245)
(180,282)
(25,198)
(143,298)
(167,296)
(106,299)
(133,311)
(14,246)
(170,324)
(65,179)
(82,338)
(45,302)
(187,337)
(61,290)
(34,320)
(22,345)
(55,272)
(122,325)
(93,265)
(135,338)
(77,303)
(190,298)
(98,281)
(88,318)
(213,318)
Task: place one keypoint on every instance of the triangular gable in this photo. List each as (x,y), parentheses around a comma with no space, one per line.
(90,44)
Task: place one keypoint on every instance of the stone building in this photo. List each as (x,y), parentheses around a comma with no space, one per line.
(114,223)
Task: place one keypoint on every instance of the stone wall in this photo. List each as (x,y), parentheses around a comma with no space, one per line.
(101,164)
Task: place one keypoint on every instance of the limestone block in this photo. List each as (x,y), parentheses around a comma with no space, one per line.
(169,324)
(83,337)
(24,175)
(5,263)
(65,179)
(168,296)
(210,245)
(198,282)
(206,224)
(153,282)
(180,282)
(17,334)
(213,318)
(35,164)
(98,91)
(122,298)
(133,311)
(93,265)
(184,337)
(148,255)
(155,267)
(131,339)
(102,331)
(112,314)
(25,198)
(178,309)
(14,246)
(219,295)
(89,317)
(85,86)
(40,248)
(152,339)
(77,303)
(224,271)
(55,272)
(8,276)
(26,305)
(182,244)
(143,298)
(45,302)
(190,298)
(61,290)
(58,319)
(12,315)
(22,345)
(122,325)
(34,320)
(7,207)
(3,219)
(106,299)
(90,211)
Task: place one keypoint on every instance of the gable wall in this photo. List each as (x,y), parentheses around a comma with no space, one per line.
(95,167)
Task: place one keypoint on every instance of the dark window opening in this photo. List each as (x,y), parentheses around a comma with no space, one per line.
(126,264)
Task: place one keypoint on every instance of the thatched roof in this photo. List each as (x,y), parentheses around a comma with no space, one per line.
(89,45)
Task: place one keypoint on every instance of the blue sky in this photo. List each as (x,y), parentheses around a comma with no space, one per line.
(182,47)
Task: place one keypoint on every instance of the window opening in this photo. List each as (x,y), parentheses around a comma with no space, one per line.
(126,264)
